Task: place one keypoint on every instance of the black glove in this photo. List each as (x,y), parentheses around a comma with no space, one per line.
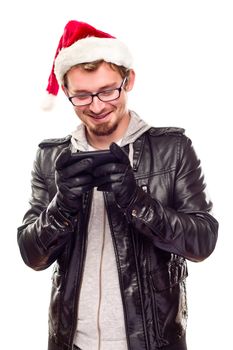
(117,177)
(72,182)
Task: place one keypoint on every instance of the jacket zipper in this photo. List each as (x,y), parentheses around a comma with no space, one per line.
(80,271)
(100,281)
(140,293)
(117,264)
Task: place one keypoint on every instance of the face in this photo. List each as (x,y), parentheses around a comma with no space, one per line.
(102,119)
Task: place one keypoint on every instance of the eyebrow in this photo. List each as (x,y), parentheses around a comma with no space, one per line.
(105,87)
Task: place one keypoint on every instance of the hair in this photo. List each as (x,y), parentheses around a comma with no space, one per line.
(92,66)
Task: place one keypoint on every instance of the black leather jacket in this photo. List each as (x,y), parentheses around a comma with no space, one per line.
(167,223)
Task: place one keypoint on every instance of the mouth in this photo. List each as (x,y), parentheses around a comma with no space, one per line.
(100,116)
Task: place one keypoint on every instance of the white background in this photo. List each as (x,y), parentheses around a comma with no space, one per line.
(183,60)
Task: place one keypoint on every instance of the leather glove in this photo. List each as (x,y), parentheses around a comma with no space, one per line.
(72,182)
(117,177)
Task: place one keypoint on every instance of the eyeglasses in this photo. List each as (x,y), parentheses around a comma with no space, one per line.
(80,100)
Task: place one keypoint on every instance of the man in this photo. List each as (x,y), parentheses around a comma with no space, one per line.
(118,233)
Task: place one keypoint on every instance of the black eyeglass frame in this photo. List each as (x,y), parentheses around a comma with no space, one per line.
(119,89)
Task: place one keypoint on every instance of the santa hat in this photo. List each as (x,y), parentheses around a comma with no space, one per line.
(82,43)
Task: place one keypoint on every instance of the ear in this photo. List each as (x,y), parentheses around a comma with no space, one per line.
(65,90)
(130,81)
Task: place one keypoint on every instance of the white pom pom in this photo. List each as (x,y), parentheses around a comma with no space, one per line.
(48,102)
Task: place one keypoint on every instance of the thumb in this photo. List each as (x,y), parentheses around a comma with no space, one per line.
(62,158)
(119,153)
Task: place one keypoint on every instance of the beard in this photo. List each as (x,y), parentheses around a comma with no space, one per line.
(104,129)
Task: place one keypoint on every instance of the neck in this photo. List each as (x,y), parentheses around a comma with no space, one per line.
(103,142)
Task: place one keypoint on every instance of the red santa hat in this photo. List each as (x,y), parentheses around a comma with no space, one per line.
(82,43)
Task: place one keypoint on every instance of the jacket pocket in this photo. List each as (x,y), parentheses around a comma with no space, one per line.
(169,300)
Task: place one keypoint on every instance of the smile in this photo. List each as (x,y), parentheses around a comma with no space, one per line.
(101,116)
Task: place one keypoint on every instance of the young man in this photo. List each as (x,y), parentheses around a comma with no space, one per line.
(119,232)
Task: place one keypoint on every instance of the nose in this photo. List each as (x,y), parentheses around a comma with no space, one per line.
(97,105)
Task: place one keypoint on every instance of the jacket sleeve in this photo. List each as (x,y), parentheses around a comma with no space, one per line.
(187,228)
(45,231)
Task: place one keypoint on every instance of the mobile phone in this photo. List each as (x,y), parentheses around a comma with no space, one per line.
(99,157)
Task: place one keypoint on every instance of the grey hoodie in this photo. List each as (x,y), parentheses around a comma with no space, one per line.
(100,323)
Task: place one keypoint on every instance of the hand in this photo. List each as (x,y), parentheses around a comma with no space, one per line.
(72,182)
(117,177)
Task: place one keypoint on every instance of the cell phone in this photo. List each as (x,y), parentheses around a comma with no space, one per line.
(99,157)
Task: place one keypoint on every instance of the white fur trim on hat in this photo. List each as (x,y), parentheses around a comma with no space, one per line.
(48,102)
(92,49)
